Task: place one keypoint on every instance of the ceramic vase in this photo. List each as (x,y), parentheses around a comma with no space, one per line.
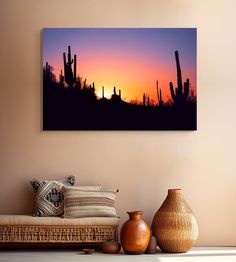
(135,234)
(174,224)
(110,247)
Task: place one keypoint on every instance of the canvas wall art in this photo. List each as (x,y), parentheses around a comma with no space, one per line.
(119,79)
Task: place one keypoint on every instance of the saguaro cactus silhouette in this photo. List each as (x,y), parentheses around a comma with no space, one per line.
(180,94)
(70,76)
(48,74)
(148,101)
(61,77)
(159,97)
(144,99)
(84,84)
(120,93)
(93,89)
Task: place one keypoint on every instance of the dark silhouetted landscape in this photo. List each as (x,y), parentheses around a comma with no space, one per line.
(71,103)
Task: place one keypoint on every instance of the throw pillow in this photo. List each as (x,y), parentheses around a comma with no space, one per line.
(87,188)
(49,196)
(80,203)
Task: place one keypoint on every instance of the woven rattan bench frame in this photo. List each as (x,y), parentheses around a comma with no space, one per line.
(57,234)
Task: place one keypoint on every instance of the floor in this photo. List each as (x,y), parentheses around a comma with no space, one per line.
(198,254)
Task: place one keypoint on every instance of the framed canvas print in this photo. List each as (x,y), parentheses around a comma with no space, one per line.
(119,79)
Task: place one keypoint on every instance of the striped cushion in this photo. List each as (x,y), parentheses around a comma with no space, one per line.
(81,203)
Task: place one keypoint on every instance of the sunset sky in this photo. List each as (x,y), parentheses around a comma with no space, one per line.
(130,59)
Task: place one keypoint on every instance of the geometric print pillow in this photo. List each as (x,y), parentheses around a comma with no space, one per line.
(49,197)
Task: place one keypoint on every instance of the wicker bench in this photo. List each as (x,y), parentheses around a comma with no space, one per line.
(23,229)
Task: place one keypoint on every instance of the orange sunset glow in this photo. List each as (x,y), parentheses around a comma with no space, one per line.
(132,60)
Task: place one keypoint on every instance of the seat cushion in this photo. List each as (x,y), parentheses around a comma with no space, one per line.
(27,220)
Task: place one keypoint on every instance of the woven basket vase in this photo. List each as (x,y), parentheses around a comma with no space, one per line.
(174,224)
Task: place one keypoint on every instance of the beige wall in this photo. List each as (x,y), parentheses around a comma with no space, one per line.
(143,165)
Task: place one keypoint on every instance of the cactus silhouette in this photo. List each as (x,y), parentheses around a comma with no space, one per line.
(85,84)
(148,101)
(159,97)
(114,90)
(70,76)
(103,92)
(180,94)
(48,74)
(144,99)
(61,77)
(119,93)
(93,89)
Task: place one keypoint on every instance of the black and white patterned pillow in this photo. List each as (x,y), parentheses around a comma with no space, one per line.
(49,197)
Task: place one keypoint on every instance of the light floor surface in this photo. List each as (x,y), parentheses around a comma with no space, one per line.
(196,254)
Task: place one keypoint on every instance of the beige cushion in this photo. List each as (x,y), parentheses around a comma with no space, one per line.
(93,188)
(80,203)
(27,220)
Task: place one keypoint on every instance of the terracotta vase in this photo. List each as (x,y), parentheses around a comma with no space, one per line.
(174,224)
(135,234)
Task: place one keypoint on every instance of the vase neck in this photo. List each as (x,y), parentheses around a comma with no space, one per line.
(175,202)
(135,214)
(175,192)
